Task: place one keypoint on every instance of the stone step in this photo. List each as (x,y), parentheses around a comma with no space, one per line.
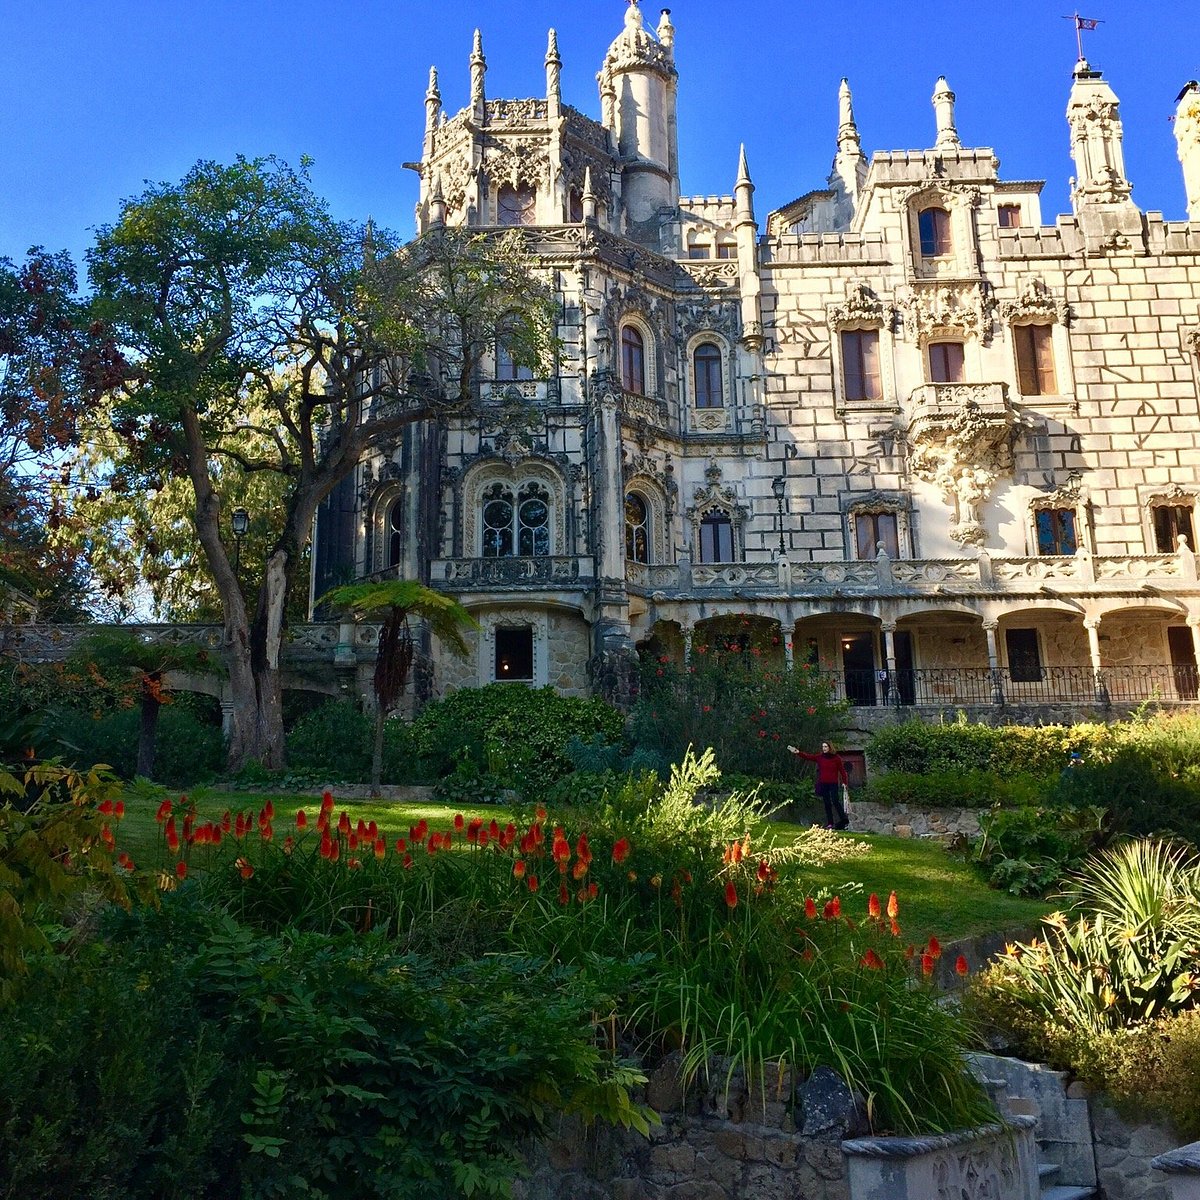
(1068,1192)
(1047,1171)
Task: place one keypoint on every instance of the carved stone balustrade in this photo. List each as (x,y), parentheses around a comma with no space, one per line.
(548,572)
(644,408)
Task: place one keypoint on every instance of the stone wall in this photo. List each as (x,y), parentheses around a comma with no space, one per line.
(1123,1153)
(915,821)
(715,1142)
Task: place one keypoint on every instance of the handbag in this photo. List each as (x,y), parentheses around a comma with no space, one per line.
(846,800)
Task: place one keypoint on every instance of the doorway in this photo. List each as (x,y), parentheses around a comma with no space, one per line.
(858,667)
(1183,661)
(906,677)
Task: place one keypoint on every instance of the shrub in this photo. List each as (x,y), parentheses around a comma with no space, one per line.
(334,739)
(952,789)
(1027,851)
(514,733)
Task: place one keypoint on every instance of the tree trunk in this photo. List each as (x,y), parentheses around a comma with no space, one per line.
(147,734)
(377,752)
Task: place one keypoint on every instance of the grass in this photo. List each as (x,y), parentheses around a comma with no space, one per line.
(938,894)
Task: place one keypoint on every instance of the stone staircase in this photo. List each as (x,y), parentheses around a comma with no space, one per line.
(1067,1169)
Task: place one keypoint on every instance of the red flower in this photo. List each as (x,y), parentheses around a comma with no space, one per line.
(344,823)
(407,862)
(540,813)
(706,708)
(934,950)
(519,869)
(269,810)
(532,883)
(244,868)
(810,908)
(620,851)
(326,844)
(372,831)
(810,710)
(872,961)
(106,807)
(837,906)
(459,822)
(301,819)
(829,914)
(895,927)
(352,842)
(380,848)
(960,965)
(181,870)
(583,849)
(326,801)
(226,822)
(164,811)
(893,906)
(927,961)
(352,864)
(288,844)
(874,911)
(563,895)
(592,891)
(579,870)
(401,845)
(483,838)
(731,896)
(360,830)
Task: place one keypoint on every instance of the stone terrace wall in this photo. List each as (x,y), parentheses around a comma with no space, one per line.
(914,820)
(713,1144)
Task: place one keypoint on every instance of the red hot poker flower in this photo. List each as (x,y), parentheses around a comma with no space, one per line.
(927,961)
(532,883)
(244,868)
(893,907)
(459,822)
(519,869)
(935,948)
(380,848)
(564,896)
(836,902)
(961,967)
(810,908)
(829,914)
(181,870)
(620,850)
(874,911)
(164,811)
(344,823)
(326,801)
(872,961)
(301,819)
(731,896)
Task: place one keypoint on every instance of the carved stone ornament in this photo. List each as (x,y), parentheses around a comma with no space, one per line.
(699,316)
(963,310)
(1191,339)
(712,275)
(876,502)
(715,498)
(861,307)
(515,112)
(516,161)
(710,420)
(1035,302)
(1066,495)
(964,449)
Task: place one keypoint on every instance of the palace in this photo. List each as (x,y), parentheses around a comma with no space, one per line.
(943,448)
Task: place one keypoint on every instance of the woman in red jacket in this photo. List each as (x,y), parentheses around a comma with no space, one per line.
(831,777)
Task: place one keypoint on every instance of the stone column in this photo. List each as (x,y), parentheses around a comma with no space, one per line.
(686,630)
(989,631)
(1092,625)
(891,685)
(226,718)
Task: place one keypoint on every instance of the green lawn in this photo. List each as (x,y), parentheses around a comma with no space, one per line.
(938,894)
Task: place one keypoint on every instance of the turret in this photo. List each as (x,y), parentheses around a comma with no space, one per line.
(1187,139)
(1100,194)
(433,105)
(943,109)
(849,164)
(638,97)
(746,229)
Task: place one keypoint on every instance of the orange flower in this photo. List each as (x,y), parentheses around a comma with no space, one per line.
(873,909)
(164,811)
(927,961)
(872,961)
(895,927)
(181,870)
(301,819)
(731,896)
(893,906)
(344,823)
(519,869)
(401,845)
(935,948)
(244,867)
(352,864)
(459,822)
(836,903)
(380,848)
(563,895)
(810,908)
(579,870)
(532,883)
(961,967)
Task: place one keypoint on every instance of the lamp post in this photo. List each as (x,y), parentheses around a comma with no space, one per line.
(239,519)
(779,487)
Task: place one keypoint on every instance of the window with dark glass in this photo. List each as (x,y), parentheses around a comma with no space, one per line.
(698,250)
(637,529)
(1035,360)
(860,364)
(933,228)
(1171,522)
(706,362)
(575,207)
(633,360)
(515,206)
(1056,531)
(507,367)
(716,539)
(520,527)
(1010,216)
(727,250)
(1024,655)
(514,654)
(395,533)
(875,530)
(946,362)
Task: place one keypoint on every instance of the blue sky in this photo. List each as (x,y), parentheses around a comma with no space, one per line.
(97,96)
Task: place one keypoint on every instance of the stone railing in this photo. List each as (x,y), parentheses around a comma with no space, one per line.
(936,404)
(976,576)
(573,572)
(636,407)
(1182,1168)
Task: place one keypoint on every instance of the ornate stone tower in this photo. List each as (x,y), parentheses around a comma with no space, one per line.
(1187,138)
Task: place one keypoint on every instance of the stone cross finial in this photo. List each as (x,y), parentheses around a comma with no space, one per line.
(665,31)
(943,108)
(478,70)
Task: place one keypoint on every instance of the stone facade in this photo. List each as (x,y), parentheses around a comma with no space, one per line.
(935,442)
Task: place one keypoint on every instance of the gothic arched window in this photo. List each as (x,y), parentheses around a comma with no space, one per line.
(633,360)
(933,228)
(507,367)
(395,533)
(637,528)
(515,206)
(716,538)
(710,386)
(516,526)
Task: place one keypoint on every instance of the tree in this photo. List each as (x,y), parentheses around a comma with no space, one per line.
(398,602)
(126,661)
(54,362)
(234,292)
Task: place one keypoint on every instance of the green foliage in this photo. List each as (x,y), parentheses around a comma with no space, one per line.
(54,826)
(952,789)
(919,748)
(1027,851)
(335,740)
(514,733)
(189,750)
(737,696)
(198,1057)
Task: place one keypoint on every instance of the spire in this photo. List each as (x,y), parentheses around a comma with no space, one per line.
(553,76)
(666,33)
(433,105)
(437,203)
(589,197)
(743,177)
(478,70)
(1094,116)
(943,108)
(847,134)
(743,191)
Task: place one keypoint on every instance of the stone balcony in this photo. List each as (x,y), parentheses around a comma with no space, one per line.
(560,572)
(937,406)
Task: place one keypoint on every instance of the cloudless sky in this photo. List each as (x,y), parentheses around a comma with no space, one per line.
(97,96)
